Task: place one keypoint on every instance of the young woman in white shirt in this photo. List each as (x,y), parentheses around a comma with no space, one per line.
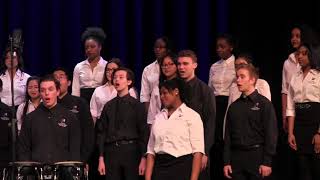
(290,67)
(88,74)
(176,142)
(106,92)
(221,75)
(32,100)
(150,75)
(303,106)
(168,70)
(19,78)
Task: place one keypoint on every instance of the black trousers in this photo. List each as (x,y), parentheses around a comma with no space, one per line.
(122,162)
(217,150)
(168,167)
(309,166)
(86,93)
(245,164)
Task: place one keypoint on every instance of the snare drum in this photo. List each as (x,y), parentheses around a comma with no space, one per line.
(73,170)
(24,170)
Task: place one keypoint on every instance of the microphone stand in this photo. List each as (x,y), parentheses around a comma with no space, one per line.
(13,110)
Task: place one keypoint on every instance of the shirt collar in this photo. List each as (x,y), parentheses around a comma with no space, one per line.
(124,97)
(18,73)
(252,97)
(180,109)
(229,60)
(99,62)
(292,58)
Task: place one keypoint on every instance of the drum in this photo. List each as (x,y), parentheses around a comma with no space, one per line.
(24,170)
(73,170)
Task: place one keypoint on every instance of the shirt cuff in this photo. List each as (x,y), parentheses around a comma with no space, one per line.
(290,112)
(267,161)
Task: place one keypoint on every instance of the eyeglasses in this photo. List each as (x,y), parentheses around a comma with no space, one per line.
(110,69)
(167,65)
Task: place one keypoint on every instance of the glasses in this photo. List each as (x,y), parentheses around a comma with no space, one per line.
(167,65)
(110,69)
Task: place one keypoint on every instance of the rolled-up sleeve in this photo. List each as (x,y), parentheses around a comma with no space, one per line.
(196,133)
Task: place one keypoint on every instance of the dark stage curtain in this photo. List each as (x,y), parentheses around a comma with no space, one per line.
(52,30)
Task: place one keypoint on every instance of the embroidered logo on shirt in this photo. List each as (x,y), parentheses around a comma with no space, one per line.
(74,109)
(255,107)
(62,123)
(5,117)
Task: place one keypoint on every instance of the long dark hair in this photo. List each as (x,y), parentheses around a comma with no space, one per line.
(26,106)
(3,66)
(174,59)
(117,61)
(313,55)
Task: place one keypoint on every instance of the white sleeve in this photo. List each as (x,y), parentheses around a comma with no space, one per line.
(196,134)
(93,106)
(290,103)
(210,77)
(76,82)
(284,85)
(133,92)
(265,89)
(19,115)
(145,88)
(151,143)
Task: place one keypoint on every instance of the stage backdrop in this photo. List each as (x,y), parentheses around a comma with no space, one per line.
(52,29)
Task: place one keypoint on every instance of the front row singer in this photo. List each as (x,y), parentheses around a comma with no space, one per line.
(122,132)
(50,133)
(176,142)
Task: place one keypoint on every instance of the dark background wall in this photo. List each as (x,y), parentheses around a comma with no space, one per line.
(52,30)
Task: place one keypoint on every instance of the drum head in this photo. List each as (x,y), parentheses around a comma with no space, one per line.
(24,163)
(69,163)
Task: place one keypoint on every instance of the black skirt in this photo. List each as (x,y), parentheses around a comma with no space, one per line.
(306,126)
(168,167)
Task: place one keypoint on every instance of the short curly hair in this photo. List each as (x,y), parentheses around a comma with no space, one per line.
(95,33)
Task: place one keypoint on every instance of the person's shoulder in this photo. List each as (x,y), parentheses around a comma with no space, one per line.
(80,64)
(192,113)
(150,66)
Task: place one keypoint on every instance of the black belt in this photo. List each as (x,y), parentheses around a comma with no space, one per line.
(122,142)
(251,147)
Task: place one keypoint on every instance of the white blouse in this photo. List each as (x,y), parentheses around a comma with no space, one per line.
(101,96)
(19,83)
(222,74)
(84,77)
(290,67)
(149,80)
(302,90)
(31,108)
(178,135)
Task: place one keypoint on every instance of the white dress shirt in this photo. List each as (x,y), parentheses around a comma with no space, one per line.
(101,96)
(84,77)
(178,135)
(150,90)
(303,90)
(222,74)
(19,83)
(262,86)
(20,112)
(290,67)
